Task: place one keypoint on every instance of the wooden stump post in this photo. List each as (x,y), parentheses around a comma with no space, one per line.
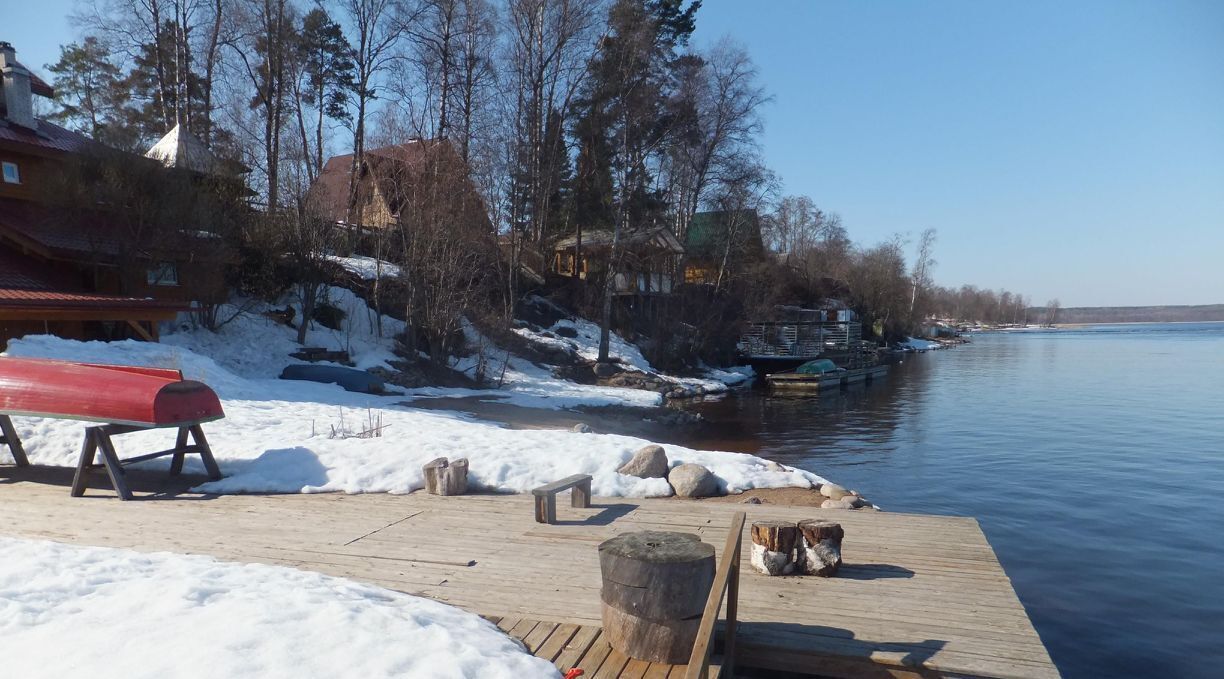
(444,477)
(820,551)
(655,586)
(773,547)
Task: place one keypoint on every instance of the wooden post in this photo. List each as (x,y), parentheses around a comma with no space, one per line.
(726,581)
(821,548)
(9,436)
(431,470)
(580,496)
(180,442)
(443,477)
(89,450)
(110,460)
(655,587)
(773,547)
(546,508)
(206,456)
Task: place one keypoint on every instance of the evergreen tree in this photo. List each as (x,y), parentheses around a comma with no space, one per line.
(327,75)
(626,123)
(91,95)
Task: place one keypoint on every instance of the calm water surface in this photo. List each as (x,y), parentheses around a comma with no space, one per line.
(1093,458)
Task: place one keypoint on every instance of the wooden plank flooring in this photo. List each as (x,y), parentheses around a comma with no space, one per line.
(918,596)
(567,646)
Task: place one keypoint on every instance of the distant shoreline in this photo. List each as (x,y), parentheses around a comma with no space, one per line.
(1081,324)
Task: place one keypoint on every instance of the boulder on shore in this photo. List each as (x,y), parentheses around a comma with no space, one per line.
(649,462)
(693,480)
(833,491)
(604,369)
(582,428)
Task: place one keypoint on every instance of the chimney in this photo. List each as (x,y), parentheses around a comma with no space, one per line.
(16,99)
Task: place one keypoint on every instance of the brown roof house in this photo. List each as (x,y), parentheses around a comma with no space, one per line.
(63,271)
(395,180)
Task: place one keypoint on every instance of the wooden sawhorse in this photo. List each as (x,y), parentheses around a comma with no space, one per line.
(98,440)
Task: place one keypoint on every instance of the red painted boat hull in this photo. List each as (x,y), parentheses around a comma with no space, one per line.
(146,397)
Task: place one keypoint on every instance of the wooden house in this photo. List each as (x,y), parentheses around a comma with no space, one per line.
(70,277)
(721,241)
(648,262)
(393,179)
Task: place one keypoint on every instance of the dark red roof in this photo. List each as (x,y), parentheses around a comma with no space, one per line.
(48,137)
(27,283)
(31,222)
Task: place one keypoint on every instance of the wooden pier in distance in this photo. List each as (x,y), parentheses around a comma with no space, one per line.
(918,596)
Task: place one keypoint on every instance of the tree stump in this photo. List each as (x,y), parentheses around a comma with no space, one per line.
(655,586)
(773,547)
(443,477)
(820,551)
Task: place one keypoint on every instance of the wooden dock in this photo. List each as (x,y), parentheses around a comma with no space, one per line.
(918,596)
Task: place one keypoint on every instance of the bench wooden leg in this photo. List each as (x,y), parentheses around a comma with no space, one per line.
(580,496)
(206,456)
(89,450)
(110,460)
(546,508)
(180,442)
(9,436)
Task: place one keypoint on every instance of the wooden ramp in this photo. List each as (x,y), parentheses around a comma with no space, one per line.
(918,596)
(567,646)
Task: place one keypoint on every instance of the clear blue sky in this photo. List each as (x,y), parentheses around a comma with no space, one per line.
(1062,149)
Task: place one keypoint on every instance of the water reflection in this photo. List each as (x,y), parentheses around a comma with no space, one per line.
(1056,442)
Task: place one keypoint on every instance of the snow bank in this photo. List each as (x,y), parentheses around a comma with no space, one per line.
(276,437)
(918,344)
(586,343)
(63,608)
(250,344)
(367,268)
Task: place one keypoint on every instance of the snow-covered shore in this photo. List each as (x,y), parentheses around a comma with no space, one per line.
(277,435)
(64,608)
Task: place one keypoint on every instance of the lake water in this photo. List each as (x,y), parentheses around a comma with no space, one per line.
(1093,458)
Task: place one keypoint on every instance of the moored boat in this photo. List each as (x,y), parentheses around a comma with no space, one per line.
(821,375)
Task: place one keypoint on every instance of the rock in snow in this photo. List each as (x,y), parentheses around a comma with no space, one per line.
(582,428)
(693,480)
(649,462)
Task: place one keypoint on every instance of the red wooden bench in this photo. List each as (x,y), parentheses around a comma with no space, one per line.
(123,399)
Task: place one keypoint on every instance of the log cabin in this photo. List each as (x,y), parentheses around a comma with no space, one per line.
(648,261)
(75,277)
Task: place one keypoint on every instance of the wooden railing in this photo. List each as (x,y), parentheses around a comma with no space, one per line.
(726,582)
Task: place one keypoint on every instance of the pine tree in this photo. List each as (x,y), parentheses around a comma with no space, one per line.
(91,95)
(327,74)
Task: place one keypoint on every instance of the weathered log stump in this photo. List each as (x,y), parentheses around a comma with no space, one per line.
(773,547)
(820,550)
(655,586)
(443,477)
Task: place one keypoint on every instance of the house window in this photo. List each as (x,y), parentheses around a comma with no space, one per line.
(12,175)
(164,273)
